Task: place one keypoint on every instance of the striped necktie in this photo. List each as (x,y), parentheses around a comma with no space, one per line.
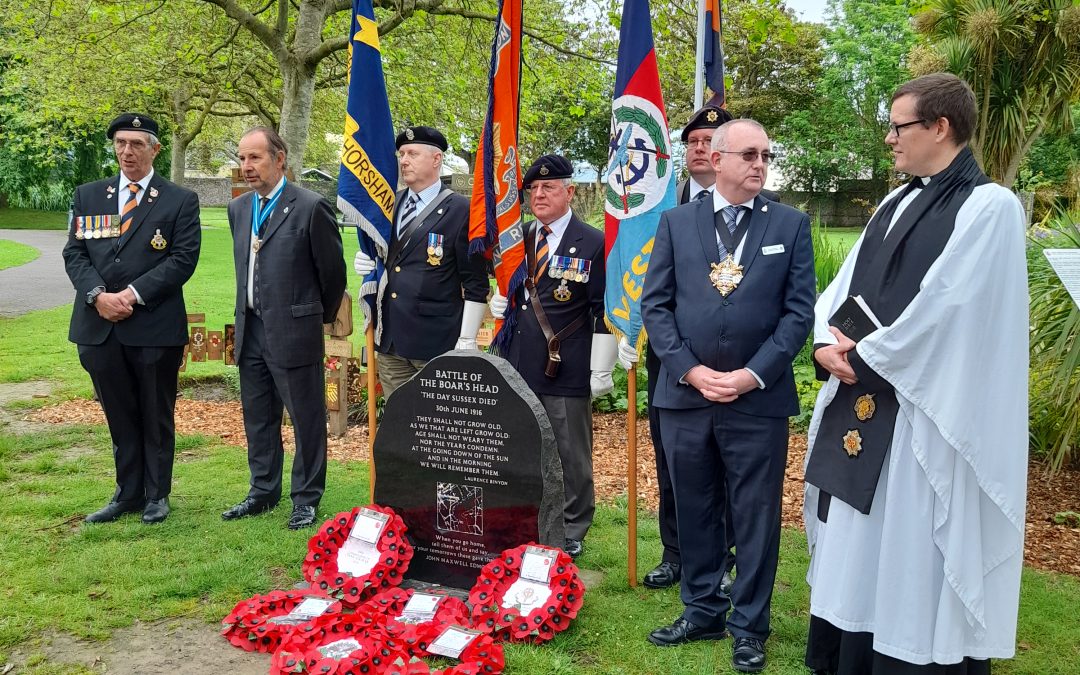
(127,215)
(408,212)
(731,219)
(542,254)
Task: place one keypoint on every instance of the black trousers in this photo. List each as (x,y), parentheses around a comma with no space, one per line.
(267,389)
(668,520)
(716,454)
(137,389)
(836,651)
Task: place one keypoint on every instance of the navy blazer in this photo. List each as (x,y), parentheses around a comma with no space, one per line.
(528,346)
(299,272)
(115,262)
(761,325)
(422,303)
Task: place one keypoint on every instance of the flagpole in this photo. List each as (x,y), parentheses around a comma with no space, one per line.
(699,58)
(369,337)
(631,474)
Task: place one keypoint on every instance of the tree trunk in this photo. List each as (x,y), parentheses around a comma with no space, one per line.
(178,149)
(299,91)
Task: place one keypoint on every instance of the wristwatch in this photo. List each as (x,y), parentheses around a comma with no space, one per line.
(91,297)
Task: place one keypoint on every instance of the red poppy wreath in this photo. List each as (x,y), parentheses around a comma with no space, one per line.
(261,622)
(342,644)
(480,655)
(512,601)
(358,553)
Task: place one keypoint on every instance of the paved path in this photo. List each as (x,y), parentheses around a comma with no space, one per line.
(41,283)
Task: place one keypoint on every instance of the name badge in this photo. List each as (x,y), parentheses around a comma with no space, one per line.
(770,250)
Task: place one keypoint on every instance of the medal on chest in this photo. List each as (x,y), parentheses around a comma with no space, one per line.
(865,407)
(726,276)
(434,249)
(256,243)
(158,242)
(853,442)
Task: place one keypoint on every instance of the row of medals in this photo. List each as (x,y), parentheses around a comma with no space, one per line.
(562,293)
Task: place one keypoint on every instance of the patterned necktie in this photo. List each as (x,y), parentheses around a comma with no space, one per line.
(127,215)
(731,219)
(701,195)
(541,254)
(408,212)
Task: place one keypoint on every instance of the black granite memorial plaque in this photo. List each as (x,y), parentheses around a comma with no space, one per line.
(466,456)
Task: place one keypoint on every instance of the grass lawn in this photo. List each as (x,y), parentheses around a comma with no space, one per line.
(13,254)
(30,219)
(89,580)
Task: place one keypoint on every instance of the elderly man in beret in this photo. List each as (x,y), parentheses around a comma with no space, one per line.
(133,242)
(431,299)
(558,337)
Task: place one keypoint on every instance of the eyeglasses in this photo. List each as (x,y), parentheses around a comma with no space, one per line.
(701,141)
(136,145)
(751,155)
(895,128)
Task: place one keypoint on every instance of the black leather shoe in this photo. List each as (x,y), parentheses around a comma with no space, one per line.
(683,631)
(248,507)
(748,655)
(574,548)
(113,510)
(156,511)
(726,582)
(663,575)
(302,516)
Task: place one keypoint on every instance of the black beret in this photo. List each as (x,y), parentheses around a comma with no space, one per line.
(706,117)
(548,167)
(425,135)
(132,122)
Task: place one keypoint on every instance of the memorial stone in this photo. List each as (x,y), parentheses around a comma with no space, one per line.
(466,456)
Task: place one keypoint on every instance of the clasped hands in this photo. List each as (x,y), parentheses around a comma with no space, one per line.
(719,386)
(834,358)
(115,306)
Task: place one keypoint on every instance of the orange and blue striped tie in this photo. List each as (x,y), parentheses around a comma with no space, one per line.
(541,254)
(126,215)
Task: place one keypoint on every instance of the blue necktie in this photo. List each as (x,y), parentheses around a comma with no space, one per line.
(731,218)
(408,212)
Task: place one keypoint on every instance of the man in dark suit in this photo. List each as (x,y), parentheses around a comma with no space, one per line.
(728,303)
(697,136)
(290,278)
(134,242)
(558,340)
(433,290)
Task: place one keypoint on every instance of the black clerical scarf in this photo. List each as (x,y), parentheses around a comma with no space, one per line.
(888,273)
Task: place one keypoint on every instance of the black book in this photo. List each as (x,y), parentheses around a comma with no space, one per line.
(854,318)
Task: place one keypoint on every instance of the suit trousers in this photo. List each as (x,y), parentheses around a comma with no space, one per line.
(395,371)
(265,389)
(668,520)
(713,453)
(137,389)
(571,420)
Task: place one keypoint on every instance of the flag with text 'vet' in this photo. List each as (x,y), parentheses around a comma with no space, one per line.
(639,182)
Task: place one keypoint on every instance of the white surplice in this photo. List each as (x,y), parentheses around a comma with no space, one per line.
(933,571)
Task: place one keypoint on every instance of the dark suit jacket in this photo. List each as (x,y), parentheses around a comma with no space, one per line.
(301,274)
(114,263)
(528,347)
(422,303)
(761,325)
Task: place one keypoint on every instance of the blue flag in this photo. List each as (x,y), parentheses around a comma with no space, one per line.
(639,175)
(714,54)
(369,170)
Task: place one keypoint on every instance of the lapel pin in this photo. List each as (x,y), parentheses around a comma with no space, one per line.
(573,249)
(764,208)
(439,212)
(286,210)
(153,192)
(149,200)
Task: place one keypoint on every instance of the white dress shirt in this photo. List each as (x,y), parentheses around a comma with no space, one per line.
(251,257)
(125,195)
